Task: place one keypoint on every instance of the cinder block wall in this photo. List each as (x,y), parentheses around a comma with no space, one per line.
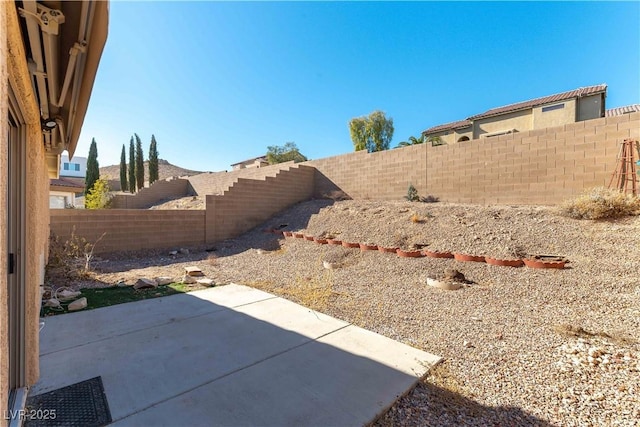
(129,230)
(250,202)
(218,182)
(543,166)
(383,175)
(146,197)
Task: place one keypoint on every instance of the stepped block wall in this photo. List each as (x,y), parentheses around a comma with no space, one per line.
(217,182)
(158,191)
(249,202)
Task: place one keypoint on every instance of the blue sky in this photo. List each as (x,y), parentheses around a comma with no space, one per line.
(218,82)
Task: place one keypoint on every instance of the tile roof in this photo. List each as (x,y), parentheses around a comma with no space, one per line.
(251,160)
(576,93)
(447,126)
(622,110)
(64,182)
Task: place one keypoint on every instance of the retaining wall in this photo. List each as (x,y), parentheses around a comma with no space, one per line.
(248,203)
(129,230)
(217,182)
(543,166)
(148,196)
(536,167)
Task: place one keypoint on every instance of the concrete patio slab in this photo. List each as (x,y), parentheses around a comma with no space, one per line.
(95,325)
(230,355)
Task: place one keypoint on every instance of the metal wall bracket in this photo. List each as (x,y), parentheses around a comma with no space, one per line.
(48,19)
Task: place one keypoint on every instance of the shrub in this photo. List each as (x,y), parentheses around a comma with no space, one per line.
(70,258)
(412,194)
(99,196)
(600,203)
(429,199)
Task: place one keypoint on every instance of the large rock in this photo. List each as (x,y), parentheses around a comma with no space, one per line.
(161,281)
(145,283)
(446,284)
(78,304)
(66,295)
(206,282)
(188,280)
(193,270)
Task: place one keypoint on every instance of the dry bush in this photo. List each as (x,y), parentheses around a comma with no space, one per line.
(70,258)
(336,195)
(600,203)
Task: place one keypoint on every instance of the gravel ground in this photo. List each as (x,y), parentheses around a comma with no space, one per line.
(521,346)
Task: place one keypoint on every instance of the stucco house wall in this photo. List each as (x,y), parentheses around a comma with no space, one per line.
(561,109)
(446,136)
(4,338)
(61,199)
(13,69)
(554,114)
(519,120)
(463,133)
(70,171)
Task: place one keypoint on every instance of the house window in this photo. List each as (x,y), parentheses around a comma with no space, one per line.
(463,138)
(66,166)
(76,167)
(552,107)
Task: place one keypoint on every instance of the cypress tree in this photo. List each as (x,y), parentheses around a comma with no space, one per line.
(139,163)
(93,170)
(132,167)
(153,161)
(123,170)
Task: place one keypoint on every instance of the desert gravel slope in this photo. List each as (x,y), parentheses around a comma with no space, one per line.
(522,346)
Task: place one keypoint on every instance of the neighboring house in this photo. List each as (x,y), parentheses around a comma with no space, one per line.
(63,192)
(256,162)
(49,55)
(627,109)
(77,167)
(554,110)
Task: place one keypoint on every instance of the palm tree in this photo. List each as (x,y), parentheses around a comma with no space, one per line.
(412,141)
(435,140)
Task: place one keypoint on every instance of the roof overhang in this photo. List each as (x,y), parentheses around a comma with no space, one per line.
(64,41)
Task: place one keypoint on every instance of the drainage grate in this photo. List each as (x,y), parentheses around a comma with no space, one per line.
(81,404)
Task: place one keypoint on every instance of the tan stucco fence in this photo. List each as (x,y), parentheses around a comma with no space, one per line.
(536,167)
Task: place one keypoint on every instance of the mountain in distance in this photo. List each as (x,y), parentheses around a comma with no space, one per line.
(165,170)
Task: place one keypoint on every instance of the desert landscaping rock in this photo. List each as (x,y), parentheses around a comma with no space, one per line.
(205,282)
(145,283)
(447,285)
(78,304)
(193,270)
(164,280)
(520,368)
(188,280)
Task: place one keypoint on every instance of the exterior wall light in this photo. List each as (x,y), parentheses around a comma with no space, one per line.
(49,124)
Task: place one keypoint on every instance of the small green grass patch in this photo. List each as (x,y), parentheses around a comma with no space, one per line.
(105,297)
